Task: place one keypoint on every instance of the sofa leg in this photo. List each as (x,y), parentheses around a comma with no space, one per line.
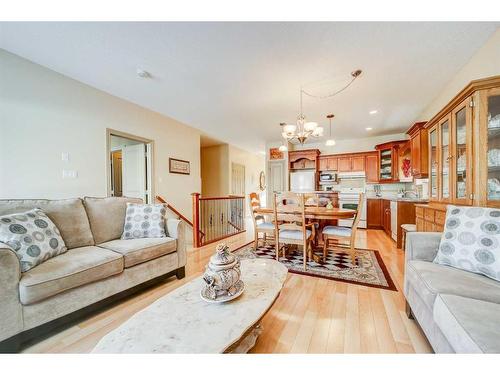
(409,313)
(180,273)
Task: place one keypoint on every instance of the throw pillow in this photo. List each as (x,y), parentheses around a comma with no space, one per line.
(471,240)
(33,236)
(144,221)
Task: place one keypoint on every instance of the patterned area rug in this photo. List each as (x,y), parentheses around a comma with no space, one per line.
(370,270)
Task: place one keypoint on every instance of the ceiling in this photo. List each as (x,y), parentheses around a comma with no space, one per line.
(237,81)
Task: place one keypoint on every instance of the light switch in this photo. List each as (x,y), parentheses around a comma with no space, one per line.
(65,156)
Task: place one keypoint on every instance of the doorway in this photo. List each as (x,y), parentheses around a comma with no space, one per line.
(237,179)
(130,166)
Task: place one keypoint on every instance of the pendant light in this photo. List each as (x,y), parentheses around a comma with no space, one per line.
(330,141)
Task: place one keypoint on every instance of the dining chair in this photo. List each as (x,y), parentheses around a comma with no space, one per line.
(290,223)
(260,224)
(333,232)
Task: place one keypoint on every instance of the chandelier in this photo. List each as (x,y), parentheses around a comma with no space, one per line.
(303,130)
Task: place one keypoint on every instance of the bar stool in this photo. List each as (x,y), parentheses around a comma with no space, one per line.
(407,228)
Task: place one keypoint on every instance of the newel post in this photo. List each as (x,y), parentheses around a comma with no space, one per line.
(196,219)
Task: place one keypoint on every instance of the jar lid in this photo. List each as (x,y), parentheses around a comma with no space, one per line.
(222,255)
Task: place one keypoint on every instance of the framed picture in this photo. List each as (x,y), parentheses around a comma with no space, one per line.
(178,166)
(275,154)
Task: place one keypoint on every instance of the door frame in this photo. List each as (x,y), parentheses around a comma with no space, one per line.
(150,167)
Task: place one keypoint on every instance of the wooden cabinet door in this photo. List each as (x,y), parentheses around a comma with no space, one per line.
(416,168)
(374,213)
(323,164)
(357,163)
(344,164)
(371,168)
(333,163)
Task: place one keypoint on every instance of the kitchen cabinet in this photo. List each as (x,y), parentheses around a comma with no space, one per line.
(344,164)
(489,153)
(374,213)
(328,163)
(371,167)
(430,217)
(358,163)
(303,159)
(404,162)
(450,156)
(388,161)
(464,148)
(402,213)
(419,145)
(386,216)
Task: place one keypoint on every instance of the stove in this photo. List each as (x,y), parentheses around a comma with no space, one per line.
(349,199)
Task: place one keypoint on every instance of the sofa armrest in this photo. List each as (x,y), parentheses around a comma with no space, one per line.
(176,229)
(422,245)
(11,312)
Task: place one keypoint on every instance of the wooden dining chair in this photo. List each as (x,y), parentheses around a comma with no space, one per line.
(290,223)
(260,224)
(333,232)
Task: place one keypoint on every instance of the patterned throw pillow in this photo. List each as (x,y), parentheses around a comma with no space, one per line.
(144,221)
(471,240)
(33,236)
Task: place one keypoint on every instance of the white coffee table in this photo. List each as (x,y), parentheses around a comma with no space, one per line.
(181,322)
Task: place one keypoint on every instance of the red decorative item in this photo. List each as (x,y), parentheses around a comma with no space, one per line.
(406,167)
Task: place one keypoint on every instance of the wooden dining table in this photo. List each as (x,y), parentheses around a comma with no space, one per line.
(313,212)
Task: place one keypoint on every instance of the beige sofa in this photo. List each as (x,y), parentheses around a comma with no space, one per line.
(97,265)
(458,311)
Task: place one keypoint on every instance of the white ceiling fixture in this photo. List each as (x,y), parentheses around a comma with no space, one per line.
(374,112)
(242,76)
(143,74)
(330,141)
(305,130)
(368,129)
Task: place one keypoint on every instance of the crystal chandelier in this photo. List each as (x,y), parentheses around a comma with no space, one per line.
(303,130)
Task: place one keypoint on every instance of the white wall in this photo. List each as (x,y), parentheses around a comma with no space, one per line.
(485,63)
(43,113)
(215,171)
(361,144)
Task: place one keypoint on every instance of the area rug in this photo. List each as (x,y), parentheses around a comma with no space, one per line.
(370,269)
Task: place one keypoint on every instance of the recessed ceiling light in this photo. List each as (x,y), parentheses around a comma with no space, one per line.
(368,129)
(373,112)
(262,152)
(143,74)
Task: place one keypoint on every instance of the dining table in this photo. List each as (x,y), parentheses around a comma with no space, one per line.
(312,212)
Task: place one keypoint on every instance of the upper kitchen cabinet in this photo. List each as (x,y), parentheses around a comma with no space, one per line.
(371,167)
(464,147)
(404,162)
(303,159)
(419,150)
(389,161)
(328,163)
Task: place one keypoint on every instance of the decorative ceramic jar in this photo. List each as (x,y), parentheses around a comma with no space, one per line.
(222,276)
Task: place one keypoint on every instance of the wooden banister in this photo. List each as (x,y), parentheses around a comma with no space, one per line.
(174,210)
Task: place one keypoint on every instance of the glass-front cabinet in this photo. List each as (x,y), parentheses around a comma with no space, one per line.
(492,157)
(444,158)
(385,165)
(433,161)
(450,156)
(461,139)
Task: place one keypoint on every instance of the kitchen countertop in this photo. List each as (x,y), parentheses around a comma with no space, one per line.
(396,199)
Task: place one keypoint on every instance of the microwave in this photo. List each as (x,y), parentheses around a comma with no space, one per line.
(328,177)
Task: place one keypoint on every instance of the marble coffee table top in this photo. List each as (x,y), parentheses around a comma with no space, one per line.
(181,322)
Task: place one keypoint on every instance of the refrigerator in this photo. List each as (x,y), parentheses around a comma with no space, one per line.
(303,181)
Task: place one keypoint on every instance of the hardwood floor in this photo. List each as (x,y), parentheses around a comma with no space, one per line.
(312,315)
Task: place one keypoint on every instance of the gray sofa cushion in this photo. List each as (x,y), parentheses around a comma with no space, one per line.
(140,250)
(67,214)
(76,267)
(107,216)
(430,279)
(469,325)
